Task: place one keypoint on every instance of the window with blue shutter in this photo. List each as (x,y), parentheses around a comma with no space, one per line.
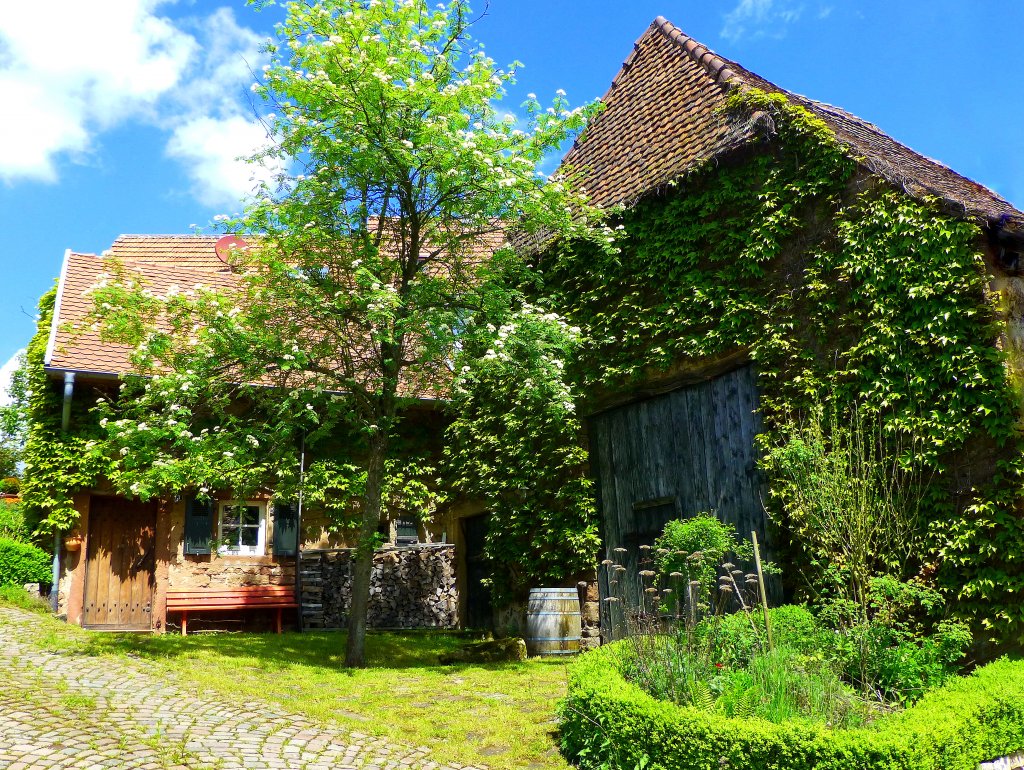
(286,529)
(198,526)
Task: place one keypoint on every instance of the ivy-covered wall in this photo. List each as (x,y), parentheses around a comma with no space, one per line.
(57,464)
(843,291)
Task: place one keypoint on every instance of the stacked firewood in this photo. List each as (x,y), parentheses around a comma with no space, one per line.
(410,587)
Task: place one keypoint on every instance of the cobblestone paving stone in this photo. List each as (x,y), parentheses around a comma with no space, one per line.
(67,710)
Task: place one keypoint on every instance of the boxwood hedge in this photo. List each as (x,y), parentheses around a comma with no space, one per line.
(608,723)
(22,563)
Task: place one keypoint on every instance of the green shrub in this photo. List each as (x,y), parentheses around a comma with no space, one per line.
(901,648)
(12,522)
(22,563)
(782,684)
(692,550)
(736,639)
(609,724)
(19,597)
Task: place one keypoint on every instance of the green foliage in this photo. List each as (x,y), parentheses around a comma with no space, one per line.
(692,550)
(57,464)
(22,563)
(12,426)
(606,723)
(782,684)
(901,647)
(17,596)
(12,522)
(843,292)
(514,443)
(849,502)
(737,641)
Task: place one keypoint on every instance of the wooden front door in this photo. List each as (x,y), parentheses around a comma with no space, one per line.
(120,563)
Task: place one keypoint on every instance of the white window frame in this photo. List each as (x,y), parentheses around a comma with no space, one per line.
(260,549)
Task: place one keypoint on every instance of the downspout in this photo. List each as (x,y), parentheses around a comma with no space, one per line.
(65,423)
(298,535)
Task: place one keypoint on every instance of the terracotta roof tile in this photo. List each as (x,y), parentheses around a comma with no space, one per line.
(76,345)
(165,261)
(663,116)
(196,252)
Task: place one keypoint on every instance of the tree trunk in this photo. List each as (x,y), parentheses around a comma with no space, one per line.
(362,565)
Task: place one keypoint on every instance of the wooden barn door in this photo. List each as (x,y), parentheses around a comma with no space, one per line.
(120,563)
(672,456)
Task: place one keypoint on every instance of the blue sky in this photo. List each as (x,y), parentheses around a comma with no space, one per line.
(125,116)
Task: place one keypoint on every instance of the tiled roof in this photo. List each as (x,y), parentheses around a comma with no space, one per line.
(663,116)
(194,252)
(181,262)
(75,345)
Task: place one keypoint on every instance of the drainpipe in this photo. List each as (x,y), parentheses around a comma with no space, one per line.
(65,423)
(298,535)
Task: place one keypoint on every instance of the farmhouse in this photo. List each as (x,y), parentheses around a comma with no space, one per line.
(128,563)
(777,254)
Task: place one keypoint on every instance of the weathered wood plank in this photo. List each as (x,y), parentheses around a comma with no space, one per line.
(680,453)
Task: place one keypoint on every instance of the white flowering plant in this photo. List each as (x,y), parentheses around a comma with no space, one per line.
(516,443)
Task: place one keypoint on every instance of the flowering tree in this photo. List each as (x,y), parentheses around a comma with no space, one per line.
(368,256)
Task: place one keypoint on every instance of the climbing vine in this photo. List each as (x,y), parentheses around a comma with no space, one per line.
(57,464)
(844,292)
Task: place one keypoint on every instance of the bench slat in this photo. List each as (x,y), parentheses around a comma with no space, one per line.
(235,598)
(240,605)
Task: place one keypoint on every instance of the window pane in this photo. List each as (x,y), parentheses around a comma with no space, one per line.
(250,515)
(250,536)
(230,514)
(230,536)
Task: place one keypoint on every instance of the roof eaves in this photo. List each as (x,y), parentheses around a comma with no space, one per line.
(55,320)
(95,374)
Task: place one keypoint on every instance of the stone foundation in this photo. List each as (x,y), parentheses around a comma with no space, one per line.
(200,572)
(590,615)
(410,587)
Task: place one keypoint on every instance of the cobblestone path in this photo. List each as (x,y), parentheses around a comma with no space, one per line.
(67,710)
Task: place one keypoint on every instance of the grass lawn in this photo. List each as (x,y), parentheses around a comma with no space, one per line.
(501,715)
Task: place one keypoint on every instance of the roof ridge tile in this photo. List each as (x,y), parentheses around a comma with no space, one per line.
(722,70)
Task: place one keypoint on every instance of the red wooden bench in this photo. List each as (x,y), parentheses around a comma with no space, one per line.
(231,598)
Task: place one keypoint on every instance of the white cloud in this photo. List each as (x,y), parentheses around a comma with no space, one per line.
(88,67)
(209,149)
(760,18)
(5,377)
(85,67)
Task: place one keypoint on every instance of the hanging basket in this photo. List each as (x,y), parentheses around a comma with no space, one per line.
(73,543)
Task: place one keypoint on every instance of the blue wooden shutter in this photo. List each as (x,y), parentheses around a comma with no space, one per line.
(286,529)
(198,526)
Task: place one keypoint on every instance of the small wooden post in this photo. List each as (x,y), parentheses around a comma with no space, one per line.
(760,585)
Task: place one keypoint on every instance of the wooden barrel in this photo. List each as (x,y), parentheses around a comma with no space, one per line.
(553,622)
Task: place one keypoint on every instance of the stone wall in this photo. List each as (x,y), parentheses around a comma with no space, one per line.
(590,615)
(410,587)
(216,571)
(1012,762)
